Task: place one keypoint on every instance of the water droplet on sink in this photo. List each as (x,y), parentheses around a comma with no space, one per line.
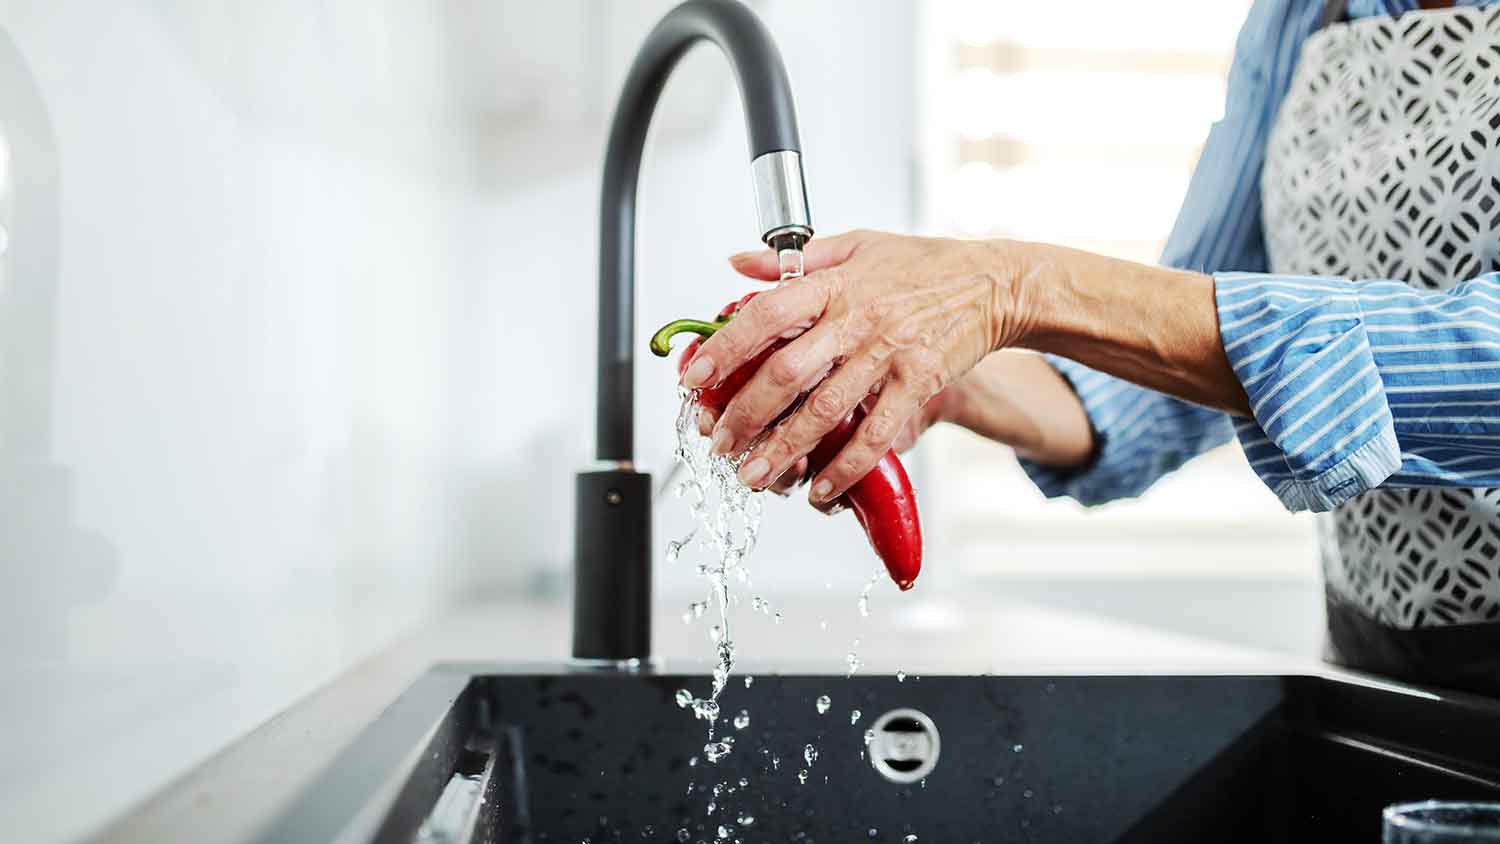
(810,753)
(742,720)
(823,704)
(900,676)
(854,717)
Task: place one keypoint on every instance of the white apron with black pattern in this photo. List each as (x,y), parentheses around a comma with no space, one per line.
(1385,164)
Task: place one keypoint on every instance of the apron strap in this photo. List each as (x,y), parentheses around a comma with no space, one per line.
(1333,12)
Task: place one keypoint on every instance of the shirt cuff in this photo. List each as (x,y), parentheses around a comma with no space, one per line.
(1131,448)
(1322,431)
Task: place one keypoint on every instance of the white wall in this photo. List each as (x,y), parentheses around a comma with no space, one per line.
(296,335)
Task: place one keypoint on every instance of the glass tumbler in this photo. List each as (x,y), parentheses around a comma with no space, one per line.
(1440,822)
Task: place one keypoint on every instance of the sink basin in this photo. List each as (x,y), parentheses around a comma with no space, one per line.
(489,753)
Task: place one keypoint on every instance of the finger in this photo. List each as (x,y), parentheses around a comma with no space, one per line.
(818,254)
(787,374)
(898,403)
(706,419)
(829,403)
(767,317)
(790,478)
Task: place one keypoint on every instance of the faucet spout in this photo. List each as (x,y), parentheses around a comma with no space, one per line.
(612,537)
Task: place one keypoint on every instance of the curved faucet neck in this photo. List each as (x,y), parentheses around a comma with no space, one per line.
(775,152)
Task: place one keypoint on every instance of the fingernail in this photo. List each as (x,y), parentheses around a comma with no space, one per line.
(698,373)
(754,473)
(742,257)
(706,420)
(720,442)
(821,489)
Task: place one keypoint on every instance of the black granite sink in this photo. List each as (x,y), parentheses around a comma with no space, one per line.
(476,753)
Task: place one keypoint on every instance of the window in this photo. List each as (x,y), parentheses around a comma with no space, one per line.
(1079,123)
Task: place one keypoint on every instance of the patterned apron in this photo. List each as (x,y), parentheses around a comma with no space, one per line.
(1385,164)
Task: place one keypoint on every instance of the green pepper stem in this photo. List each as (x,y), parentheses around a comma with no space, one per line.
(661,341)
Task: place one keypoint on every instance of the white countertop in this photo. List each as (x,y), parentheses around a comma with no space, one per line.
(1205,626)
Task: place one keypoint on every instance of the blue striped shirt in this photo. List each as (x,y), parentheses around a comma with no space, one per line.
(1353,385)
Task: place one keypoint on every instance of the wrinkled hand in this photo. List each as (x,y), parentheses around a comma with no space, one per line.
(896,317)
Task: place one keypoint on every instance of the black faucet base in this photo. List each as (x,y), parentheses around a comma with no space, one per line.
(612,568)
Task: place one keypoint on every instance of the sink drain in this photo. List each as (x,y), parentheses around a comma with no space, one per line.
(905,747)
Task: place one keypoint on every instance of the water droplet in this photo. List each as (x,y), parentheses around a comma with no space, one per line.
(748,681)
(854,717)
(823,625)
(746,820)
(1057,808)
(698,608)
(744,782)
(864,604)
(684,698)
(900,676)
(810,753)
(910,838)
(742,720)
(1028,794)
(716,634)
(1016,748)
(823,704)
(775,763)
(872,833)
(684,836)
(693,762)
(647,831)
(854,663)
(776,617)
(716,750)
(802,777)
(869,737)
(674,548)
(712,806)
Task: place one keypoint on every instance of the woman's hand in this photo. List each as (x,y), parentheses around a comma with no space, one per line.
(900,317)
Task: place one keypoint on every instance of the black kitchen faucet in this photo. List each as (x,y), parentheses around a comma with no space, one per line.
(612,533)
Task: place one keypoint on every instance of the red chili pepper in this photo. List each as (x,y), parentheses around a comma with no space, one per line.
(883,500)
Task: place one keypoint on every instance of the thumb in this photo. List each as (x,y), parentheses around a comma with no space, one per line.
(819,254)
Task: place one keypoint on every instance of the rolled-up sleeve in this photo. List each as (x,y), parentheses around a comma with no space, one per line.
(1357,384)
(1141,435)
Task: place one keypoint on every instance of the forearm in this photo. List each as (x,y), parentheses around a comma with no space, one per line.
(1017,398)
(1149,325)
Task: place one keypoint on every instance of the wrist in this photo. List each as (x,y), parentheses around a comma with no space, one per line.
(1026,279)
